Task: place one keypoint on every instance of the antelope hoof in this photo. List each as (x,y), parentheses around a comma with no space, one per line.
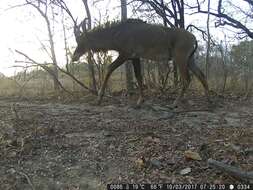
(175,104)
(99,101)
(140,101)
(210,102)
(99,97)
(99,93)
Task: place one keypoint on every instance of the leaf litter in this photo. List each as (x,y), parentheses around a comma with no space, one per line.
(82,146)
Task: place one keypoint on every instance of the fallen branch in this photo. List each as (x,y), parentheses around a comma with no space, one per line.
(14,110)
(77,81)
(232,171)
(46,68)
(29,181)
(194,110)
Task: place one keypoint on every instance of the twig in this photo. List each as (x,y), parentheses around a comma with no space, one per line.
(196,110)
(204,34)
(16,6)
(27,178)
(231,170)
(14,109)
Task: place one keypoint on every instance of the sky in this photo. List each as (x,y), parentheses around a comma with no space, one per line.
(23,29)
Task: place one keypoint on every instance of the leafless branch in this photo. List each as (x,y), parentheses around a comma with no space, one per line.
(16,6)
(77,81)
(225,19)
(231,170)
(46,68)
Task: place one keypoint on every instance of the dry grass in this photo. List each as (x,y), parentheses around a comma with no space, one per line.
(43,86)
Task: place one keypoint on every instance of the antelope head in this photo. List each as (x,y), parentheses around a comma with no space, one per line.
(80,39)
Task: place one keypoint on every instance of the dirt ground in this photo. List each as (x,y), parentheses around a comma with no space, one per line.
(78,145)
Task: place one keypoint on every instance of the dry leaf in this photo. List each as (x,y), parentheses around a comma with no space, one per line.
(140,162)
(192,155)
(185,171)
(151,139)
(148,139)
(156,140)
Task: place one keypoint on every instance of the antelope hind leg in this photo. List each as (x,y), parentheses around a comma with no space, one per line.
(181,95)
(181,61)
(201,77)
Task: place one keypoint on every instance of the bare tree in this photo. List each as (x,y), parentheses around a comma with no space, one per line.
(83,26)
(224,59)
(92,85)
(208,39)
(46,68)
(42,8)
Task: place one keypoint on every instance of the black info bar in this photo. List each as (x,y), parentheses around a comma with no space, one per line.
(170,186)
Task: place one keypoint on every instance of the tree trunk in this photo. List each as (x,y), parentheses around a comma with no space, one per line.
(223,51)
(162,64)
(178,23)
(92,79)
(208,40)
(54,71)
(69,68)
(128,67)
(53,55)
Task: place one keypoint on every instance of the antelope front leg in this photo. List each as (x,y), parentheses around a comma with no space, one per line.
(180,96)
(119,61)
(138,76)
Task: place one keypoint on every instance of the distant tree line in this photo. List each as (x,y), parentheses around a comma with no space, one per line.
(228,66)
